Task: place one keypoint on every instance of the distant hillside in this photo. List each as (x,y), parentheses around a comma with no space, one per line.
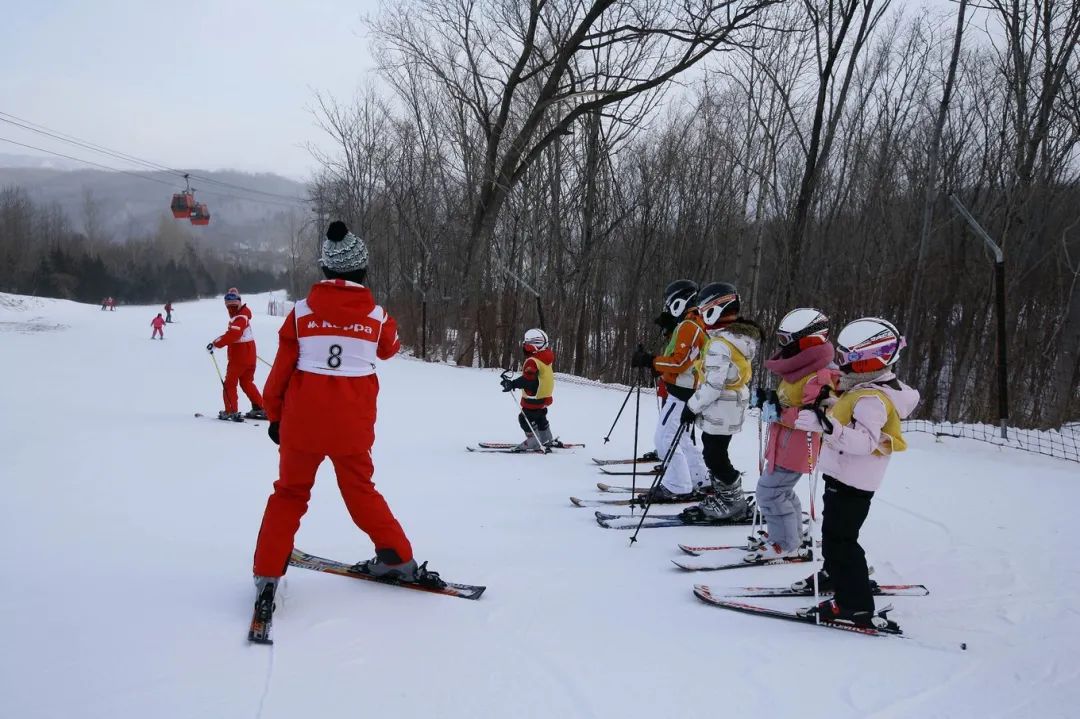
(128,208)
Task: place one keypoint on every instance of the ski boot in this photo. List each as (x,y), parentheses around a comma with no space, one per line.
(262,617)
(831,612)
(662,495)
(650,457)
(255,412)
(529,445)
(825,584)
(770,550)
(385,566)
(230,416)
(727,501)
(547,440)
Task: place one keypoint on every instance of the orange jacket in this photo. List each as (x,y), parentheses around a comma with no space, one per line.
(239,338)
(339,328)
(685,348)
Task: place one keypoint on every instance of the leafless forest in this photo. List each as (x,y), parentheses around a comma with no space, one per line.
(574,157)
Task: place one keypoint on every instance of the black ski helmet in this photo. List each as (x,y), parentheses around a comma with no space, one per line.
(718,301)
(680,297)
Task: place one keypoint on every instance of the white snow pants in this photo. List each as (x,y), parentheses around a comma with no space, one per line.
(687,469)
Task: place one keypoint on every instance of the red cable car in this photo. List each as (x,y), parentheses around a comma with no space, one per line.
(200,215)
(182,204)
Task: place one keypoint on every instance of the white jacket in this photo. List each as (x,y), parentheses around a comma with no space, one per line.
(720,410)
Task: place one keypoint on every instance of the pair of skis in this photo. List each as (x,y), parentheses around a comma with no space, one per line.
(512,448)
(262,617)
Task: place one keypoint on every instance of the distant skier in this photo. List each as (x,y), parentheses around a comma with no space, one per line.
(721,399)
(537,385)
(803,363)
(679,369)
(242,355)
(168,311)
(862,431)
(159,327)
(111,303)
(104,303)
(321,400)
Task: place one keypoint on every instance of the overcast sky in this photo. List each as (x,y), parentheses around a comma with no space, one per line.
(207,84)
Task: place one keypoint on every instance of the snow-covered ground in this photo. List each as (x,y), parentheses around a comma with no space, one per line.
(129,527)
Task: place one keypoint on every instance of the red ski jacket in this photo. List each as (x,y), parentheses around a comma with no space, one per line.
(323,387)
(239,338)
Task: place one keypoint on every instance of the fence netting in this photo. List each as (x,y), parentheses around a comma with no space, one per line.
(1062,444)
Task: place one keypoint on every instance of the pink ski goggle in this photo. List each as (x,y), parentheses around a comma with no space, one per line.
(887,348)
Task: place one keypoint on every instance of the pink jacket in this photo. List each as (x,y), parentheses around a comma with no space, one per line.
(787,447)
(848,454)
(157,323)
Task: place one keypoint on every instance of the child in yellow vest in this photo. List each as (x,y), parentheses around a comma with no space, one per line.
(861,431)
(720,401)
(537,385)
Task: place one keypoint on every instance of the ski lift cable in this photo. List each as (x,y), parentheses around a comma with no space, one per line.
(216,193)
(88,162)
(64,137)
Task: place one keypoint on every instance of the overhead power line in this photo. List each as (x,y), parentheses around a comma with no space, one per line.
(86,144)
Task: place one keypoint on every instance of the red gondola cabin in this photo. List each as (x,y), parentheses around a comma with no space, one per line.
(200,215)
(183,203)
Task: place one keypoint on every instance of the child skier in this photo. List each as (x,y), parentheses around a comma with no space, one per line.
(321,401)
(723,395)
(158,323)
(242,355)
(678,368)
(803,363)
(862,430)
(537,385)
(168,311)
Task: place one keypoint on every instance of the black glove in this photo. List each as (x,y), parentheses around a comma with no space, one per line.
(642,358)
(274,431)
(511,384)
(666,322)
(210,347)
(688,416)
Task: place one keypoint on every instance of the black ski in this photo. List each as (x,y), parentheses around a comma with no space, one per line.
(433,583)
(577,502)
(630,522)
(880,590)
(651,472)
(557,444)
(702,592)
(641,460)
(720,566)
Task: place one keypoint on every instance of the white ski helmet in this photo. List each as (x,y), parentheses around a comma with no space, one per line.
(800,323)
(869,344)
(535,340)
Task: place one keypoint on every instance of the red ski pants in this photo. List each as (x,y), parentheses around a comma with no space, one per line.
(289,501)
(157,333)
(244,375)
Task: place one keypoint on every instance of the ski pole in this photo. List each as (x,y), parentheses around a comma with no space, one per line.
(637,420)
(268,364)
(214,360)
(659,478)
(814,544)
(521,411)
(617,416)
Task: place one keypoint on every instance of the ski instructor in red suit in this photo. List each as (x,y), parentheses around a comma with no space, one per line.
(321,402)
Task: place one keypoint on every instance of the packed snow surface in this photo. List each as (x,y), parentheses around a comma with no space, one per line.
(129,527)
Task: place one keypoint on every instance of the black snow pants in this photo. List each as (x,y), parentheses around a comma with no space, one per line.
(845,509)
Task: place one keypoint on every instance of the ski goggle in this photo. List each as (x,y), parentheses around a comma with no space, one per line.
(713,311)
(886,348)
(677,306)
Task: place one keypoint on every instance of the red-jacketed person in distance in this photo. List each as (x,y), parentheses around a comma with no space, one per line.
(321,401)
(158,323)
(242,356)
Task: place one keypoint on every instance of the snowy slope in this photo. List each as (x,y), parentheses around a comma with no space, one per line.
(130,525)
